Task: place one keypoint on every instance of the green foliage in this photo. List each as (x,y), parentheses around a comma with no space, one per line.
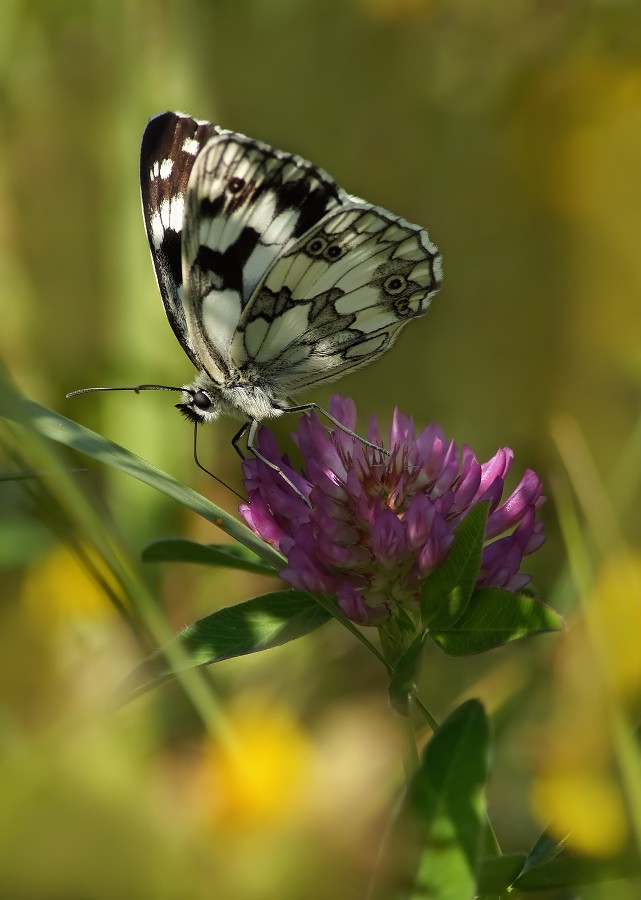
(404,675)
(495,617)
(510,874)
(233,556)
(513,132)
(53,426)
(435,845)
(442,814)
(445,594)
(259,624)
(464,620)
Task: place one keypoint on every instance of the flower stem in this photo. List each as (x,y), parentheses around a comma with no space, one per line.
(411,760)
(427,715)
(333,608)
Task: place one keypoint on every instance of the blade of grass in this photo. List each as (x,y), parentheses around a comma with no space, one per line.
(55,427)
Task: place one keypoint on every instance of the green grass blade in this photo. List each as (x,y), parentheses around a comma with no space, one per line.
(52,425)
(231,556)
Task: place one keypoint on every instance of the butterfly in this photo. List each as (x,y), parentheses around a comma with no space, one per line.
(274,279)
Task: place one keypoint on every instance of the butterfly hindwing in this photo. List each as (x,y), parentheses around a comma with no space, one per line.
(170,145)
(247,204)
(337,298)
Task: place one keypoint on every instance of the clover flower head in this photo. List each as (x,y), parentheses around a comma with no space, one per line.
(368,524)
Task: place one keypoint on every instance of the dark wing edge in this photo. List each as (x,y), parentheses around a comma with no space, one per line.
(170,144)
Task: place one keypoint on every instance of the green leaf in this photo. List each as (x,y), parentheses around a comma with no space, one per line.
(51,425)
(437,834)
(570,872)
(258,624)
(446,593)
(545,848)
(447,795)
(233,556)
(404,674)
(495,617)
(497,874)
(28,475)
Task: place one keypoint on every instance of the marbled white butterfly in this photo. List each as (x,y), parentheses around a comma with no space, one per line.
(273,277)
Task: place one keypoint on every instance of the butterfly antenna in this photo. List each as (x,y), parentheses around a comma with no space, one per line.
(211,474)
(136,389)
(160,387)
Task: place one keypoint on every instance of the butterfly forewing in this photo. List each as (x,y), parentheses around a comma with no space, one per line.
(170,146)
(246,205)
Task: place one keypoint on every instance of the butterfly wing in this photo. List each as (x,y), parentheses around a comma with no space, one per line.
(246,205)
(170,145)
(337,298)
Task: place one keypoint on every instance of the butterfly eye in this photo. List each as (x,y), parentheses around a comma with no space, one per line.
(201,400)
(316,246)
(236,185)
(395,284)
(333,252)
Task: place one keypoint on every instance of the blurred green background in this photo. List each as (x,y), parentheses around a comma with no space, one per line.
(512,131)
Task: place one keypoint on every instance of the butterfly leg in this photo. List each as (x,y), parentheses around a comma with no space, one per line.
(308,407)
(234,441)
(251,445)
(202,468)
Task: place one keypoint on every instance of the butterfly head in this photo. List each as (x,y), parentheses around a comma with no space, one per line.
(201,402)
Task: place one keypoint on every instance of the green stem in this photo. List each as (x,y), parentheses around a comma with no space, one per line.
(411,759)
(492,845)
(333,608)
(427,715)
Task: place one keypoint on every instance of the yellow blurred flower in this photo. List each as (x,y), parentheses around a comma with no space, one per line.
(260,781)
(579,784)
(58,589)
(587,806)
(616,610)
(576,788)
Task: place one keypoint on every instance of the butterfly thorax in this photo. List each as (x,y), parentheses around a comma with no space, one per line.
(204,400)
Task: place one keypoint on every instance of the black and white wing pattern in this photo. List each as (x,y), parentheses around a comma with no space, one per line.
(337,299)
(246,205)
(170,146)
(273,277)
